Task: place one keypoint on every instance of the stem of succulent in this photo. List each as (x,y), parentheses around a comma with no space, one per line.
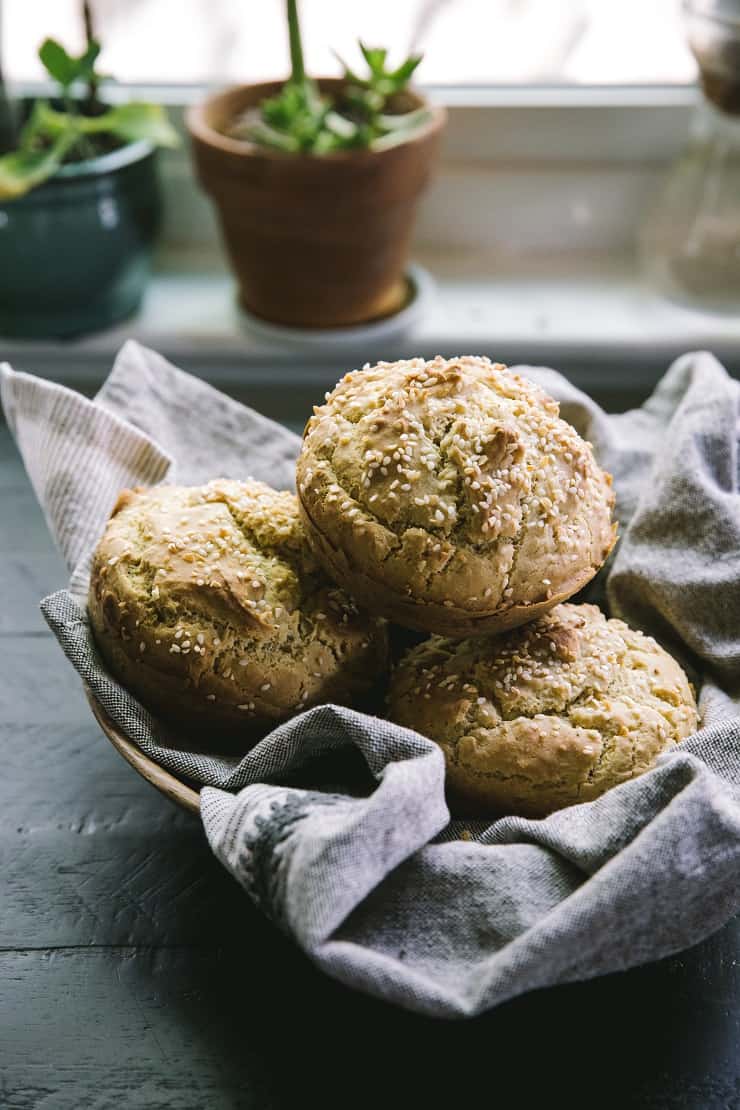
(296,46)
(72,110)
(91,101)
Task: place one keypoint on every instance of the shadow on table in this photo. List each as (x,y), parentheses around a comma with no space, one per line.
(657,1036)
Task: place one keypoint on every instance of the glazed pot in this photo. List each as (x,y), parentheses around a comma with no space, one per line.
(314,240)
(75,252)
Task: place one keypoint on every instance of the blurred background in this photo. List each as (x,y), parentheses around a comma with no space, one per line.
(482,42)
(584,211)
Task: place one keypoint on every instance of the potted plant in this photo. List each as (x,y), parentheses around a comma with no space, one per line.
(316,185)
(79,201)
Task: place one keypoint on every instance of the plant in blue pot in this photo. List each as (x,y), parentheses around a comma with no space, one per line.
(80,204)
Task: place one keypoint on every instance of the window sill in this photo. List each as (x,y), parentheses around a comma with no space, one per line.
(592,318)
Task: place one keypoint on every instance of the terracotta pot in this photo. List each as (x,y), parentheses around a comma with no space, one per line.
(314,241)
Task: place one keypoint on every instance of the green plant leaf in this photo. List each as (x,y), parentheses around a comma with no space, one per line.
(86,62)
(24,169)
(296,113)
(349,74)
(367,102)
(129,122)
(404,121)
(34,125)
(399,128)
(383,82)
(390,139)
(132,122)
(60,65)
(375,57)
(261,133)
(46,122)
(340,125)
(403,74)
(64,67)
(299,119)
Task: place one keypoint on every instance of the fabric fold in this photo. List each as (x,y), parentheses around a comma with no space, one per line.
(374,882)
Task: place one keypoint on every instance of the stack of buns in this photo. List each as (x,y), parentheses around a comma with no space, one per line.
(448,497)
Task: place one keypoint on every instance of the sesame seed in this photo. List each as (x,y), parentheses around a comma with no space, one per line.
(265,686)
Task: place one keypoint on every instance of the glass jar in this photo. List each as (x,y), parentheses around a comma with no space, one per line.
(690,244)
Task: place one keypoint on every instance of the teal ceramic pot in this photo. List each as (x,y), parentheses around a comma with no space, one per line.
(75,253)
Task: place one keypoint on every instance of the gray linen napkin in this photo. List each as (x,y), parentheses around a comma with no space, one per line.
(380,890)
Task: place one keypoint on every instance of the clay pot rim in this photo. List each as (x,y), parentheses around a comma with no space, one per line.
(196,120)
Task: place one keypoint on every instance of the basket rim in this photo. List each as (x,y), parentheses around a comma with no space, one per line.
(165,782)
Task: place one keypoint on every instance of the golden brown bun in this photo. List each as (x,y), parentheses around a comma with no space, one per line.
(207,603)
(451,497)
(554,713)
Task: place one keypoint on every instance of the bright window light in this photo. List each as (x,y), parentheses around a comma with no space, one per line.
(486,42)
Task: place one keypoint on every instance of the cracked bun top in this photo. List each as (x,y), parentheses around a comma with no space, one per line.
(554,713)
(450,496)
(209,606)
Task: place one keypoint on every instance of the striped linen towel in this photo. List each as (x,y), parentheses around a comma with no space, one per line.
(381,891)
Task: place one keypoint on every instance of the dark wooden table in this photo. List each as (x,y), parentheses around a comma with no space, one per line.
(135,973)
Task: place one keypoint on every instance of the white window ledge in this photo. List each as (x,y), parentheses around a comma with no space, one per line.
(529,230)
(593,319)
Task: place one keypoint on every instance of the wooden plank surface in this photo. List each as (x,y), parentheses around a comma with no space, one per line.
(135,973)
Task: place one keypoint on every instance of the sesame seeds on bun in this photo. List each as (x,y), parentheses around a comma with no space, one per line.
(450,496)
